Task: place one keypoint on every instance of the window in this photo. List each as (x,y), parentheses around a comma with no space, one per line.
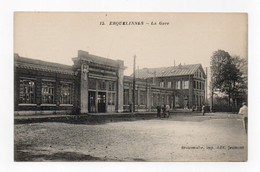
(171,101)
(177,103)
(47,92)
(194,84)
(185,84)
(163,99)
(92,84)
(27,91)
(111,98)
(202,86)
(167,99)
(178,85)
(142,98)
(111,86)
(159,99)
(65,96)
(101,85)
(136,97)
(154,99)
(161,84)
(169,85)
(126,96)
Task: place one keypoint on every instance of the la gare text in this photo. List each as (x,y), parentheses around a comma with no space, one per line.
(134,23)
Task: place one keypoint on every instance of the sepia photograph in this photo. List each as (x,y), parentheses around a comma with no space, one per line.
(130,87)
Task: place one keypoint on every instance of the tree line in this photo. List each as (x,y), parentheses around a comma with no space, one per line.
(229,81)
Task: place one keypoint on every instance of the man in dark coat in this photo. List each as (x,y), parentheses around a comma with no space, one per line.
(158,111)
(164,110)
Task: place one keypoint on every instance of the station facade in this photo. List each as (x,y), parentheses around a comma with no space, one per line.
(96,84)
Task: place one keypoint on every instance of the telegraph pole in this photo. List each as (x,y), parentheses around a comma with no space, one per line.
(206,87)
(212,92)
(134,84)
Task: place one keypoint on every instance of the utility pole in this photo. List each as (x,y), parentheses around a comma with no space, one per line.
(134,85)
(206,87)
(212,93)
(154,76)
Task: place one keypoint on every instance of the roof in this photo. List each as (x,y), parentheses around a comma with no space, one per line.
(40,65)
(100,60)
(130,79)
(179,70)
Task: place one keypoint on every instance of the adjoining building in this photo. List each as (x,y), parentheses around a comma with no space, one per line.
(96,85)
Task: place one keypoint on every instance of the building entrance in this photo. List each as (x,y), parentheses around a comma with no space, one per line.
(101,101)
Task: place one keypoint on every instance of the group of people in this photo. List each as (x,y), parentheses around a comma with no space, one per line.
(165,109)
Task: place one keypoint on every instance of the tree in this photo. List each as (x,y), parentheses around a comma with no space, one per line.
(226,76)
(242,86)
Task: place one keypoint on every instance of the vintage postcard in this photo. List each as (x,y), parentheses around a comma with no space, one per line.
(130,86)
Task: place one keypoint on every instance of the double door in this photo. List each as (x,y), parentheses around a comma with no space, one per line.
(96,103)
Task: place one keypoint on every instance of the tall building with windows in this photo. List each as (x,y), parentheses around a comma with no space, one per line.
(181,86)
(96,85)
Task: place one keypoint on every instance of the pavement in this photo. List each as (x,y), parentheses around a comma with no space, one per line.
(98,117)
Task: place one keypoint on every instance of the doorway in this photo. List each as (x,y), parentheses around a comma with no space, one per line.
(101,102)
(92,101)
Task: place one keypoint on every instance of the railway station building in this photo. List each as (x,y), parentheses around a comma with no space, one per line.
(95,84)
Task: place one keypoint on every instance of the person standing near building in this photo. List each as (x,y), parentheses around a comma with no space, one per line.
(158,111)
(203,109)
(164,110)
(244,112)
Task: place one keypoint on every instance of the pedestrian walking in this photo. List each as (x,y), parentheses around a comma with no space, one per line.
(193,108)
(203,109)
(244,112)
(158,111)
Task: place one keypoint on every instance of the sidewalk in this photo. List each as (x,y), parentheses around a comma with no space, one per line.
(100,118)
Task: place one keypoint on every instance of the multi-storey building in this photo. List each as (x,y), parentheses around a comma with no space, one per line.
(181,86)
(95,84)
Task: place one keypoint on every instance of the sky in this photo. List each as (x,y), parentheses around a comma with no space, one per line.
(189,38)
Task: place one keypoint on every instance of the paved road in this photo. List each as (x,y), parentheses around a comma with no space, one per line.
(215,137)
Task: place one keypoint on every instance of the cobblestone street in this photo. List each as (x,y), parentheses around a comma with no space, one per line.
(214,137)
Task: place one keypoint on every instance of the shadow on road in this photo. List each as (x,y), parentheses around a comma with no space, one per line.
(90,120)
(21,156)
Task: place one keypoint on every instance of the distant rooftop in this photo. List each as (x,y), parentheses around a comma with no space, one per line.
(130,79)
(167,71)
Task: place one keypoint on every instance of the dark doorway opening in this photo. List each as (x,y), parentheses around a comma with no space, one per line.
(101,102)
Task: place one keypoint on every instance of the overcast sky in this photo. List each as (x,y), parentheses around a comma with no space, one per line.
(189,38)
